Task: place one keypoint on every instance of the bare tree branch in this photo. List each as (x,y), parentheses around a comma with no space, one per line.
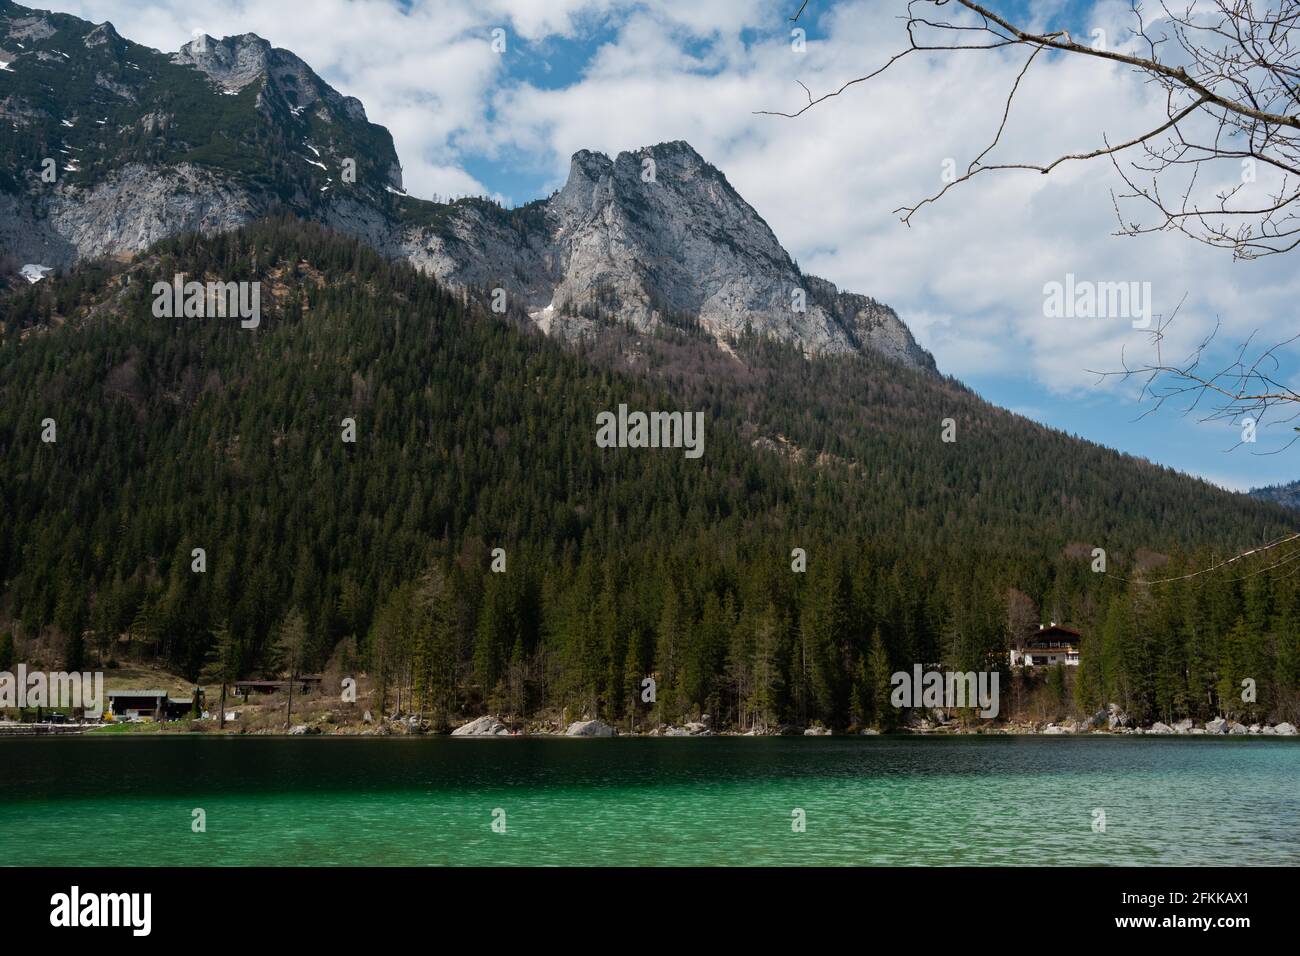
(1230,72)
(1245,392)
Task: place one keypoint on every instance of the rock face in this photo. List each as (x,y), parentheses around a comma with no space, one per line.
(487,726)
(1216,726)
(259,132)
(708,255)
(690,729)
(1285,729)
(131,209)
(589,728)
(1161,728)
(649,238)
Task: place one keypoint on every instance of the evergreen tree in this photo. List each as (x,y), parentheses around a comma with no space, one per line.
(221,664)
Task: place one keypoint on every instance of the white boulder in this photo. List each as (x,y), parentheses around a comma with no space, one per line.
(487,726)
(589,728)
(1117,719)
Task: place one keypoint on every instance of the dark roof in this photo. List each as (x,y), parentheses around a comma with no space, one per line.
(1062,629)
(1059,630)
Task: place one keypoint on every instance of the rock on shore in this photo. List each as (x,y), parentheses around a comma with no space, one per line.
(589,728)
(1118,720)
(691,729)
(486,726)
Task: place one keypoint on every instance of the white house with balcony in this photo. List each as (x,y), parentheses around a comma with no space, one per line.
(1050,644)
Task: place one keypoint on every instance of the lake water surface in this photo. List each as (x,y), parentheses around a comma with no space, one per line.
(646,801)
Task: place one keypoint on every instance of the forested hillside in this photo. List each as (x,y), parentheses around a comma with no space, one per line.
(1287,495)
(475,433)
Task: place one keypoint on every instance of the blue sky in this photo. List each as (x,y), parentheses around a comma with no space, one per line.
(968,275)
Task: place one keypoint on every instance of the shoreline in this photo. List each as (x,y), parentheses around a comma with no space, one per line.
(401,729)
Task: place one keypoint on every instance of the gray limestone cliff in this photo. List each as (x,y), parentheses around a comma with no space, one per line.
(145,145)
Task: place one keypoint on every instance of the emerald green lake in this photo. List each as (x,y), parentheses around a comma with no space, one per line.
(720,801)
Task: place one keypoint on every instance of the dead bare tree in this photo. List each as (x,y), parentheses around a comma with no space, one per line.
(1229,75)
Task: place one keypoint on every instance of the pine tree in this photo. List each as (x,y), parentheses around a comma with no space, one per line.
(879,675)
(768,680)
(222,664)
(285,653)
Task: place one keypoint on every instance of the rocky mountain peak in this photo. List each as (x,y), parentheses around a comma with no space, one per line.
(658,234)
(654,235)
(233,62)
(101,35)
(236,61)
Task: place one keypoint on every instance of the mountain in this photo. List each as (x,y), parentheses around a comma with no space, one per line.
(682,246)
(130,440)
(1285,495)
(227,131)
(145,145)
